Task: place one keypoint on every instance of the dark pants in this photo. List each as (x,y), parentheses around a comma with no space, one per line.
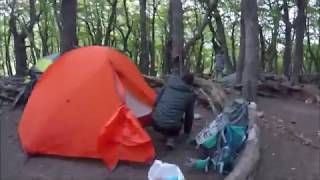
(169,132)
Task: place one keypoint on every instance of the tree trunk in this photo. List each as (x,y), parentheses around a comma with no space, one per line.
(251,68)
(35,52)
(58,19)
(177,33)
(312,58)
(153,40)
(144,56)
(136,35)
(69,29)
(19,44)
(241,59)
(199,59)
(271,52)
(288,44)
(129,26)
(200,28)
(162,54)
(99,29)
(19,37)
(233,44)
(43,32)
(262,48)
(20,54)
(221,37)
(168,43)
(300,26)
(112,19)
(7,53)
(215,46)
(168,56)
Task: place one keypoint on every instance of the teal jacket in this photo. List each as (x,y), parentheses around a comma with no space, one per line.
(175,101)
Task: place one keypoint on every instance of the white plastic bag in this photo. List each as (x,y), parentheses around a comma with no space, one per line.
(164,171)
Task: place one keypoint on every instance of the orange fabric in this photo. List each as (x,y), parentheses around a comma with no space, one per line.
(122,138)
(74,100)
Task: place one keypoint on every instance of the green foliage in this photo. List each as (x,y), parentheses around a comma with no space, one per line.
(94,18)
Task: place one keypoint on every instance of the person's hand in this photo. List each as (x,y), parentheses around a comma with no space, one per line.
(190,162)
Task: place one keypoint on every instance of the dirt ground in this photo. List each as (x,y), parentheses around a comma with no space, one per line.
(283,157)
(15,165)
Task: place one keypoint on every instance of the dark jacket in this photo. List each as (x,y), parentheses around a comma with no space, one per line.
(173,102)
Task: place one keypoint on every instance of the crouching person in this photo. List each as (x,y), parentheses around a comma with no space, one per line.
(174,108)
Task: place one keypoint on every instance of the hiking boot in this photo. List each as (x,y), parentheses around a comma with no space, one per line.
(170,143)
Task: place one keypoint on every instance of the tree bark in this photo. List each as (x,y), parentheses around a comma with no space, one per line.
(300,26)
(233,45)
(7,53)
(221,38)
(288,44)
(112,19)
(129,26)
(44,36)
(271,53)
(313,58)
(35,52)
(199,59)
(58,19)
(19,37)
(215,46)
(144,56)
(99,31)
(241,59)
(153,40)
(251,68)
(69,28)
(262,48)
(205,21)
(177,35)
(20,54)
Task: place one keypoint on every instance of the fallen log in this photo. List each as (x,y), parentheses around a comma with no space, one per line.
(213,109)
(6,98)
(311,78)
(249,157)
(215,92)
(154,82)
(247,161)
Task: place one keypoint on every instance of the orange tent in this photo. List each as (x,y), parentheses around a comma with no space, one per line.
(86,105)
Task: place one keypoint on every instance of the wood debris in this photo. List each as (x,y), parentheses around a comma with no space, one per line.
(10,89)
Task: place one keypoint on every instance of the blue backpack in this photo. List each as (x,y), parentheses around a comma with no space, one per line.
(226,137)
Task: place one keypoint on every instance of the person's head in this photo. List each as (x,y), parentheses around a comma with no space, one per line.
(188,78)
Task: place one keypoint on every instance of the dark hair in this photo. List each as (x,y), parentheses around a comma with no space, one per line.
(188,78)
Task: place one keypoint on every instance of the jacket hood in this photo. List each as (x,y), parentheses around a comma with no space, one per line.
(175,82)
